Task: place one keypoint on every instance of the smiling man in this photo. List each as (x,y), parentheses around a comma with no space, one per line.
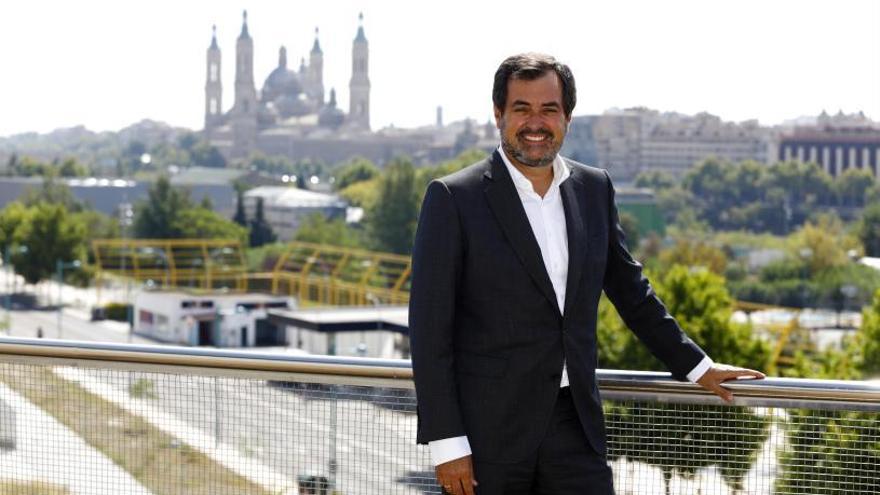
(510,258)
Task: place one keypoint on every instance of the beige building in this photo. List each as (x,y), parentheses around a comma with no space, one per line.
(626,142)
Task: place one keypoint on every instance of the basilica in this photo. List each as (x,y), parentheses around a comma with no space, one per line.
(291,115)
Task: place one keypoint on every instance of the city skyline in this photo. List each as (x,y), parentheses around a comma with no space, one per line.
(768,62)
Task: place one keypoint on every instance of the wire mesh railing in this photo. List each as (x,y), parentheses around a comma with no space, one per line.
(96,418)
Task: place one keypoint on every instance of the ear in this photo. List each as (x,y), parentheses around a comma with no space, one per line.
(498,115)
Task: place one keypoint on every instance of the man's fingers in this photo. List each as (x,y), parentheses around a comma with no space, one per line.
(467,485)
(722,392)
(742,374)
(457,476)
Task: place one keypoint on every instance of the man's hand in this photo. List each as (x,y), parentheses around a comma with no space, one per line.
(719,373)
(456,477)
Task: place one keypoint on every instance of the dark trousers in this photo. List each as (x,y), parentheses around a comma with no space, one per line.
(565,463)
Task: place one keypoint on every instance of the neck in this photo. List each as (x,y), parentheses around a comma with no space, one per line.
(540,177)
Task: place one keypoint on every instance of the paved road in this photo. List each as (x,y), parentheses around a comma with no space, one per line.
(75,326)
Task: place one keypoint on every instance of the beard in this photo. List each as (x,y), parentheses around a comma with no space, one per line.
(515,150)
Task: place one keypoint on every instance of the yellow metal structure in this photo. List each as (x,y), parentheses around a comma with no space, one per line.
(338,276)
(197,264)
(312,273)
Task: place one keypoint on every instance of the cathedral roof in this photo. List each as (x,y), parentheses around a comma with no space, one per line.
(281,81)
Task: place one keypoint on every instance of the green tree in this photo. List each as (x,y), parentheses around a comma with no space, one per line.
(869,230)
(316,228)
(71,168)
(357,170)
(260,230)
(852,187)
(206,155)
(201,223)
(240,217)
(655,179)
(392,220)
(155,217)
(867,342)
(52,191)
(694,253)
(363,194)
(50,234)
(11,218)
(831,451)
(826,241)
(700,303)
(30,167)
(207,203)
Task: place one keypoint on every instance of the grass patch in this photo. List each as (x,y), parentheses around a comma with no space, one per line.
(31,488)
(159,461)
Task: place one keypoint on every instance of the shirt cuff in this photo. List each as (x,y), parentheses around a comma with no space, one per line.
(700,369)
(449,449)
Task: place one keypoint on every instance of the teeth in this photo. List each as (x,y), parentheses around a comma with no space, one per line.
(535,138)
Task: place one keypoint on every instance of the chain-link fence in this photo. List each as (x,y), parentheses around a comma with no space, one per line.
(104,419)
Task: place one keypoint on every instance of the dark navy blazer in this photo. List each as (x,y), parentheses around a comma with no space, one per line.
(488,340)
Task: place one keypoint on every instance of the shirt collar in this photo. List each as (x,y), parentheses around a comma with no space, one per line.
(560,173)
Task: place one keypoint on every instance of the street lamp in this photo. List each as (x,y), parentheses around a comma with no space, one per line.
(848,292)
(59,268)
(126,218)
(10,275)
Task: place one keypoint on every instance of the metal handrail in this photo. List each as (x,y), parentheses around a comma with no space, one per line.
(615,384)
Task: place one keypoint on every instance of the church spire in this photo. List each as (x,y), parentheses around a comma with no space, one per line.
(213,86)
(360,34)
(244,27)
(359,86)
(316,47)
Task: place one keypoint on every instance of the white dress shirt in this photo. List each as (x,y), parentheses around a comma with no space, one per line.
(547,218)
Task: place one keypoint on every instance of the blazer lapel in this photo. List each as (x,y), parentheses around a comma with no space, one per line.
(577,238)
(508,210)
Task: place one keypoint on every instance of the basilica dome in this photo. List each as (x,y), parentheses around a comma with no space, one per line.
(281,81)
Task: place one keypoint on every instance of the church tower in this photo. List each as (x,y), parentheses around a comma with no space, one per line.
(316,72)
(244,112)
(213,87)
(359,87)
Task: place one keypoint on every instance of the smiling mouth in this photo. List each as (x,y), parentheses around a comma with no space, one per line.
(535,137)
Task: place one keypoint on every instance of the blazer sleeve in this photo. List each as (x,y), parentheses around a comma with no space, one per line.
(638,305)
(436,273)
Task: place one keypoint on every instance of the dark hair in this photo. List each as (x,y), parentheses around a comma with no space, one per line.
(530,66)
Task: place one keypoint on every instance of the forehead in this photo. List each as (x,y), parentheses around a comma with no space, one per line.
(547,88)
